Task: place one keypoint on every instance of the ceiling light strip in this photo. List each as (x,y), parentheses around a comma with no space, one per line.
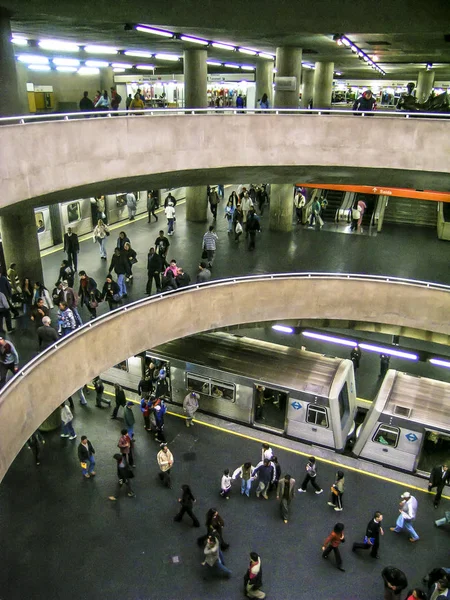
(343,40)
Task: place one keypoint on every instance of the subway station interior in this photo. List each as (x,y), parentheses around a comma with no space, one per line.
(320,327)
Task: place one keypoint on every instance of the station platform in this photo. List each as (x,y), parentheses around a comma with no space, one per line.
(63,538)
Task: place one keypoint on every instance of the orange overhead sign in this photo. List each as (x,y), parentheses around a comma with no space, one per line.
(382,191)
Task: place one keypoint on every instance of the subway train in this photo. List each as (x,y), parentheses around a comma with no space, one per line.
(302,395)
(81,215)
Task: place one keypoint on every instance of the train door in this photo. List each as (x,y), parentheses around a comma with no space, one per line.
(435,450)
(269,406)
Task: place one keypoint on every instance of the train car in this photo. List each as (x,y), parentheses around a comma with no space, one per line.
(284,390)
(408,424)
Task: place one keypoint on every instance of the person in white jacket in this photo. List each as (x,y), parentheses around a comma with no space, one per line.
(407,516)
(246,204)
(66,422)
(170,214)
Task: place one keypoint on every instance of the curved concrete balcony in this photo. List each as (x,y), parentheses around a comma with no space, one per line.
(31,396)
(51,161)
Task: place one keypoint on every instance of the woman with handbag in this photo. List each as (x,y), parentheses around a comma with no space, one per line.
(124,474)
(101,232)
(111,292)
(337,491)
(131,260)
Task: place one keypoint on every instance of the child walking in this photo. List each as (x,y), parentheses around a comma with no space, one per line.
(225,484)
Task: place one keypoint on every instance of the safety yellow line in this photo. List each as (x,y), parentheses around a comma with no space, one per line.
(292,451)
(88,236)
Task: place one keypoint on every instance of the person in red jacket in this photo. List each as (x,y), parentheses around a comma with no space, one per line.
(332,543)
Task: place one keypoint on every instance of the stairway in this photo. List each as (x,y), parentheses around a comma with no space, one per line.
(334,199)
(408,211)
(371,202)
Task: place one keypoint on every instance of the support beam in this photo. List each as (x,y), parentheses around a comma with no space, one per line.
(289,65)
(264,80)
(195,78)
(425,83)
(8,76)
(323,84)
(196,204)
(307,88)
(281,207)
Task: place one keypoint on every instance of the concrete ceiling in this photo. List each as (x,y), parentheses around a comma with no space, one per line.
(404,35)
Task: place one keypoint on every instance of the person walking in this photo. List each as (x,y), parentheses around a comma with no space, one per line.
(129,418)
(332,543)
(158,410)
(170,216)
(246,204)
(5,313)
(145,410)
(99,389)
(187,501)
(394,582)
(209,244)
(266,475)
(245,473)
(34,444)
(111,292)
(214,203)
(384,364)
(152,205)
(299,203)
(155,266)
(120,267)
(337,491)
(225,484)
(125,444)
(285,493)
(165,462)
(212,558)
(66,319)
(47,335)
(70,297)
(100,233)
(124,474)
(229,212)
(238,220)
(214,526)
(407,516)
(9,360)
(66,423)
(162,245)
(372,537)
(252,227)
(355,357)
(190,407)
(253,578)
(71,247)
(86,103)
(86,457)
(88,293)
(439,478)
(131,205)
(311,474)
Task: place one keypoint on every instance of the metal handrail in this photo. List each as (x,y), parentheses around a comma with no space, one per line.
(223,282)
(157,112)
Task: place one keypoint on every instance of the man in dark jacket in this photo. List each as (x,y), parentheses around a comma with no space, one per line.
(88,293)
(439,478)
(38,312)
(183,279)
(71,247)
(154,268)
(86,457)
(162,245)
(86,103)
(394,582)
(111,292)
(152,205)
(119,264)
(365,103)
(99,389)
(266,475)
(47,335)
(252,226)
(120,399)
(372,537)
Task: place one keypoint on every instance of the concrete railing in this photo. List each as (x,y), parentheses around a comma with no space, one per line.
(31,396)
(58,158)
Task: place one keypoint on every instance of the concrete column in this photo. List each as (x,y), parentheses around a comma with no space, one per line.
(195,78)
(264,80)
(20,242)
(196,204)
(8,74)
(307,87)
(288,64)
(323,84)
(281,207)
(425,83)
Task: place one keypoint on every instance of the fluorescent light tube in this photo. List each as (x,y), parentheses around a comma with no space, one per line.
(231,66)
(390,351)
(118,70)
(193,40)
(214,63)
(88,71)
(58,45)
(329,338)
(223,46)
(19,41)
(154,31)
(39,67)
(265,55)
(33,59)
(283,328)
(247,51)
(122,65)
(440,363)
(145,67)
(139,53)
(93,49)
(97,63)
(171,57)
(247,68)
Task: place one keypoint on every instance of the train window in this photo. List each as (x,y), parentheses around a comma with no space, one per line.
(197,384)
(40,225)
(222,390)
(317,415)
(344,404)
(387,435)
(73,212)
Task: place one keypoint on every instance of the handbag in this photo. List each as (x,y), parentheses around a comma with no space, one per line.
(133,260)
(93,302)
(334,491)
(204,253)
(356,213)
(238,228)
(117,297)
(107,233)
(83,465)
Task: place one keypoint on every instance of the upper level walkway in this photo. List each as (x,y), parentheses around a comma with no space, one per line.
(53,159)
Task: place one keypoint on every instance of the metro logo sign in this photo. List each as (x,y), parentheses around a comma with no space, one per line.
(382,191)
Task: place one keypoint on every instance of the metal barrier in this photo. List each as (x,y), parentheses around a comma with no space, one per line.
(160,112)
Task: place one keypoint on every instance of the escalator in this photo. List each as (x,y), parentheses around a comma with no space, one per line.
(407,211)
(334,199)
(371,202)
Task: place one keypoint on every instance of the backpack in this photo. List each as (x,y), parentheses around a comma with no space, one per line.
(118,98)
